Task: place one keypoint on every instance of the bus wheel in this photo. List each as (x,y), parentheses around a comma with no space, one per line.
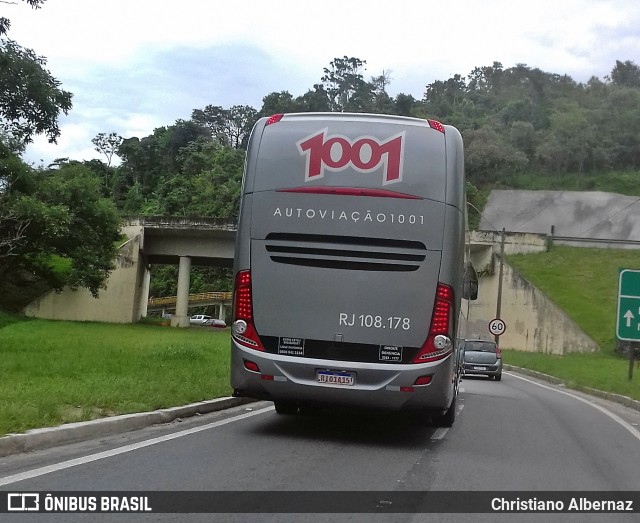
(286,408)
(447,419)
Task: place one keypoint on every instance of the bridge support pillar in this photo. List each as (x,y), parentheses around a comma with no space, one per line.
(181,318)
(144,297)
(223,312)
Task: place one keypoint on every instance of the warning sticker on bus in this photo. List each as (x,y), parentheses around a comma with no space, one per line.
(291,346)
(390,353)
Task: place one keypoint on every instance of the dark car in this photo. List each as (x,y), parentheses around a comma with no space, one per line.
(482,357)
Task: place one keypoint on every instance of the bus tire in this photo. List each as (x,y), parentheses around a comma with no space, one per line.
(285,408)
(447,419)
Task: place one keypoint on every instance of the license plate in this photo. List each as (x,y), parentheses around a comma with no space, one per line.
(479,368)
(336,378)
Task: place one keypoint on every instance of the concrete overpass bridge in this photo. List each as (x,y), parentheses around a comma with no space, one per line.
(185,242)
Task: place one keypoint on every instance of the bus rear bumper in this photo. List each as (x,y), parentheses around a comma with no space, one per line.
(392,387)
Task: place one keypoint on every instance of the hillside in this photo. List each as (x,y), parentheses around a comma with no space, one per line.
(581,281)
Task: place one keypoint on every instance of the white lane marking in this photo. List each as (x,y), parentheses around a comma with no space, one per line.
(441,432)
(614,417)
(121,450)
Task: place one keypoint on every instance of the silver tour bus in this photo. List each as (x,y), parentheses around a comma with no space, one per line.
(349,264)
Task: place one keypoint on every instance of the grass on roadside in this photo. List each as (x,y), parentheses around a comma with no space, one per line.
(57,371)
(603,371)
(584,283)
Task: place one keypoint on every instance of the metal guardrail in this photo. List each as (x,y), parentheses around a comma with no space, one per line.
(193,298)
(604,241)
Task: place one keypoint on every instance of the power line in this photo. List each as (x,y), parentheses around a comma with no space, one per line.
(540,211)
(609,217)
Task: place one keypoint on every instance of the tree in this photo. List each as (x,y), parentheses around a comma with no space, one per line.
(570,141)
(442,98)
(523,137)
(626,74)
(5,24)
(405,104)
(231,127)
(622,121)
(345,86)
(487,79)
(489,157)
(62,229)
(316,99)
(108,145)
(382,103)
(30,98)
(275,103)
(381,82)
(217,189)
(13,226)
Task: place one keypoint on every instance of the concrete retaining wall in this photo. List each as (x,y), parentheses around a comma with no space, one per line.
(123,300)
(534,323)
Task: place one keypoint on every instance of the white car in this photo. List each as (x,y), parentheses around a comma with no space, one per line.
(200,319)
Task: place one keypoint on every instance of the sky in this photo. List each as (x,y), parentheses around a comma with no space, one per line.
(136,65)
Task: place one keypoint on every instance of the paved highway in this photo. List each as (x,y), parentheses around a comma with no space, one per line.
(514,435)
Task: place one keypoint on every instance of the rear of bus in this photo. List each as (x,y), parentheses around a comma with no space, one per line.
(348,264)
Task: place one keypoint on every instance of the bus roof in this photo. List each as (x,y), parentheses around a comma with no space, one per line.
(384,155)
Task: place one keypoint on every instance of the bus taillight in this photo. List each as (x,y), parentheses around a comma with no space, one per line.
(438,344)
(275,118)
(242,328)
(436,125)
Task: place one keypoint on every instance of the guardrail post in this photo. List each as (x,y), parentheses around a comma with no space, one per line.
(500,276)
(632,356)
(550,238)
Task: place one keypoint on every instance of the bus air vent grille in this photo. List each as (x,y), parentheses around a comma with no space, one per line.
(346,252)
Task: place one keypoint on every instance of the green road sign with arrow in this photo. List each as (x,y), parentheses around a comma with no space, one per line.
(628,315)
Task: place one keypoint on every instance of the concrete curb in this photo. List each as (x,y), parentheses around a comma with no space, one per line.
(37,439)
(609,396)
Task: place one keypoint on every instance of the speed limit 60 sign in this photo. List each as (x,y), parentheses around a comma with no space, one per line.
(497,327)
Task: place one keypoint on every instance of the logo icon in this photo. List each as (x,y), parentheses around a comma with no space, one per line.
(365,154)
(23,502)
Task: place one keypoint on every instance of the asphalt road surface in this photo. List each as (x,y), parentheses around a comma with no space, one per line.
(515,436)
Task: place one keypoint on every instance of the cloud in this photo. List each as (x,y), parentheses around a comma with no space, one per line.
(158,87)
(137,65)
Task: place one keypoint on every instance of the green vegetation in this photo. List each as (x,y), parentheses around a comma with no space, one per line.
(603,370)
(582,282)
(621,182)
(56,372)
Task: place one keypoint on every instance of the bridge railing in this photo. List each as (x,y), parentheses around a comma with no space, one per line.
(193,298)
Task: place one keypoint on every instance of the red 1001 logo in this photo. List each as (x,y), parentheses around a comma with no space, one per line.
(365,154)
